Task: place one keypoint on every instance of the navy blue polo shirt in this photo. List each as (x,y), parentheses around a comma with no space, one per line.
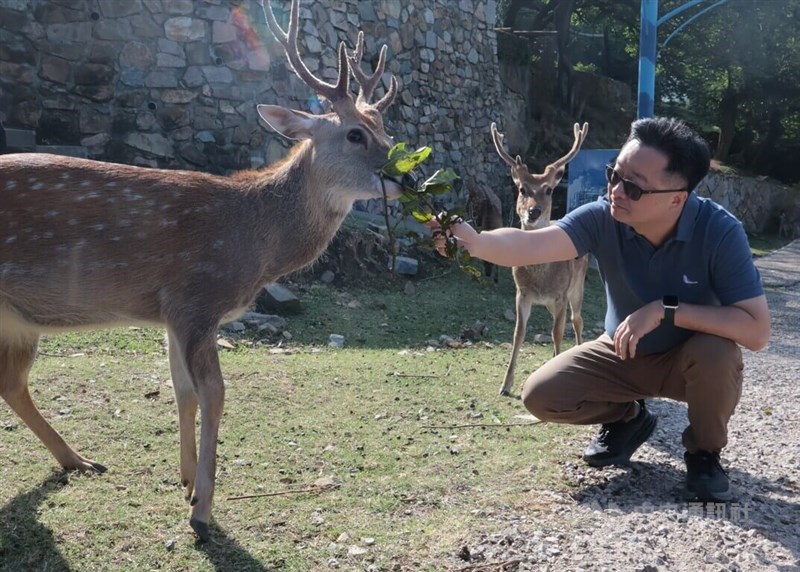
(707,262)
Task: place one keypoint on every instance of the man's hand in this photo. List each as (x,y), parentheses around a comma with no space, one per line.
(464,234)
(635,327)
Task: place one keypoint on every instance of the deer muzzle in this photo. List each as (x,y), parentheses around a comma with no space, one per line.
(534,213)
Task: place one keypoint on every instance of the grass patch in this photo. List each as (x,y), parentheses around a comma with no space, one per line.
(764,244)
(294,414)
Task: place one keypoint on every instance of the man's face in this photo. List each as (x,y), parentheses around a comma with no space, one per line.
(645,167)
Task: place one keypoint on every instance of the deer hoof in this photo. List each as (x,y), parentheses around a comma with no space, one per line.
(85,466)
(100,469)
(505,393)
(200,529)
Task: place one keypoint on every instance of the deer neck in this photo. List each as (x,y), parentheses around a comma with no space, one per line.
(304,208)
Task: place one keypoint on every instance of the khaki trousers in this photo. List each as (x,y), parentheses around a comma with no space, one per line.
(589,384)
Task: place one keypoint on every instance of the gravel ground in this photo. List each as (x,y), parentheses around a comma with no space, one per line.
(634,518)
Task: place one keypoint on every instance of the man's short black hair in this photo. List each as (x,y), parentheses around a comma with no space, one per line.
(688,154)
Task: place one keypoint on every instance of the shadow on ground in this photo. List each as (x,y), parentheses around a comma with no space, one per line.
(25,543)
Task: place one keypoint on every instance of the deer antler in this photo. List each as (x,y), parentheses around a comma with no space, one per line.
(288,40)
(498,138)
(367,83)
(580,136)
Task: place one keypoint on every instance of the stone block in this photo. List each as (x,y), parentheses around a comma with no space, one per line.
(20,139)
(277,298)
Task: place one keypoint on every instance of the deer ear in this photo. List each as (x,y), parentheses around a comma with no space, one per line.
(559,175)
(290,123)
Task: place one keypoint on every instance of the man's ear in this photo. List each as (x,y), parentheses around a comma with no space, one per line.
(290,123)
(679,198)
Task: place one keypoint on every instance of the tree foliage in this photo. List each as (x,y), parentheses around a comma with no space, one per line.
(733,72)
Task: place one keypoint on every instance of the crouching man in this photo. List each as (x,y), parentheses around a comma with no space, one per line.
(682,295)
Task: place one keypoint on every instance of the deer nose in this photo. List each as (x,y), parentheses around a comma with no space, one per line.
(534,213)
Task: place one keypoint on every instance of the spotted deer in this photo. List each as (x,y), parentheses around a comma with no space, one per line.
(552,285)
(86,244)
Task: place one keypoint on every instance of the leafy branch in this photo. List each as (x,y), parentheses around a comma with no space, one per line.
(418,201)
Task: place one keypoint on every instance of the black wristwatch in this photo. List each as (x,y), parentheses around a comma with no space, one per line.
(670,304)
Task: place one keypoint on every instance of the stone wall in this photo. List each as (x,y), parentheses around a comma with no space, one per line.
(175,83)
(756,201)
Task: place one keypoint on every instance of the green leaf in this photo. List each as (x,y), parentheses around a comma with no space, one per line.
(439,183)
(402,161)
(421,216)
(398,148)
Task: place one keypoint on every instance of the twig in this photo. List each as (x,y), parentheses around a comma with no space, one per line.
(79,354)
(435,276)
(295,492)
(495,425)
(490,565)
(398,374)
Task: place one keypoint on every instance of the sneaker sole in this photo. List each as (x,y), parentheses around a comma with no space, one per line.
(707,496)
(624,458)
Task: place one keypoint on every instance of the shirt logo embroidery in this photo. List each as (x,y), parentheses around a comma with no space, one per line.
(687,281)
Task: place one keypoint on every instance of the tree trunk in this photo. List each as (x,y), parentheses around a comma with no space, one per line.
(563,13)
(765,156)
(728,111)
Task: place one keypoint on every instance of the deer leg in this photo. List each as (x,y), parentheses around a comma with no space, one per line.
(199,352)
(523,313)
(16,359)
(577,322)
(559,313)
(576,306)
(186,400)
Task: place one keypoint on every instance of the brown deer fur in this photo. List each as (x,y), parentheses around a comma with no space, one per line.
(486,211)
(553,285)
(89,244)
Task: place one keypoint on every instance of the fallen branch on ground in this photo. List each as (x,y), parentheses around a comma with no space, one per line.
(494,425)
(490,566)
(281,493)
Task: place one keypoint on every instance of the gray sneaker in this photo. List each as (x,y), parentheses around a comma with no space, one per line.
(706,481)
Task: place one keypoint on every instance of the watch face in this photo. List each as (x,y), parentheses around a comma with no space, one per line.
(670,301)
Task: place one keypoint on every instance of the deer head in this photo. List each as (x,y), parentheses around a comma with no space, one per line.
(350,143)
(534,193)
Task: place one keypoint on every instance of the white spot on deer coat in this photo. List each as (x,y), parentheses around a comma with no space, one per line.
(10,185)
(11,239)
(37,186)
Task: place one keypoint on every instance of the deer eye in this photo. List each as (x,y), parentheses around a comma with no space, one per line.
(548,190)
(355,136)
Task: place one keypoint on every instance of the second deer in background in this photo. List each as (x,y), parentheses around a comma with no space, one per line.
(552,285)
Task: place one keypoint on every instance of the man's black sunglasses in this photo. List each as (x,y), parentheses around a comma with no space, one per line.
(632,190)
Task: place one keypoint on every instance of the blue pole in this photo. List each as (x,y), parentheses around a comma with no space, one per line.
(647,58)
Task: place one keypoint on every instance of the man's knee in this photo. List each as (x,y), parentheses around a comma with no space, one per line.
(710,352)
(538,396)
